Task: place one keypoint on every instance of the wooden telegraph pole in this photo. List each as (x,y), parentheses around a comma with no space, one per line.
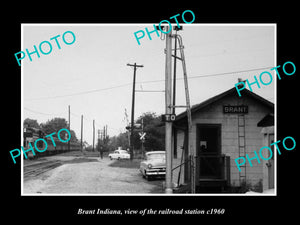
(69,128)
(81,147)
(168,100)
(132,107)
(93,135)
(170,110)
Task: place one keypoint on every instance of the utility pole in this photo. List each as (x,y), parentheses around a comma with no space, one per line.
(168,100)
(127,121)
(174,131)
(69,128)
(143,139)
(132,108)
(174,76)
(98,139)
(99,147)
(191,150)
(81,132)
(93,135)
(106,130)
(106,133)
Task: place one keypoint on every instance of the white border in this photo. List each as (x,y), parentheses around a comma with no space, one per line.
(146,24)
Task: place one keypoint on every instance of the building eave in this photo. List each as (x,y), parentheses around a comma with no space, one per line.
(245,92)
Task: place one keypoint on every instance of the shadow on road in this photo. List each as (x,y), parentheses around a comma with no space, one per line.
(135,163)
(80,160)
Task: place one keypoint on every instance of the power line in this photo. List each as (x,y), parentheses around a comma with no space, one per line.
(147,82)
(208,75)
(75,114)
(228,73)
(81,93)
(42,113)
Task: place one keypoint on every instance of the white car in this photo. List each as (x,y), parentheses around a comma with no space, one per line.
(154,164)
(119,154)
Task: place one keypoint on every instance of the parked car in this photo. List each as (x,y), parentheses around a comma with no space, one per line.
(119,154)
(154,164)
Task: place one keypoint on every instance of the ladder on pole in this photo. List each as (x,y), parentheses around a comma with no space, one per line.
(242,146)
(189,114)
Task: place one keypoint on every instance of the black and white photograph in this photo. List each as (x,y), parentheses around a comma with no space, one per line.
(143,120)
(149,112)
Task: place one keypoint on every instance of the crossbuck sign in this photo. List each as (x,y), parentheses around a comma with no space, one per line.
(142,135)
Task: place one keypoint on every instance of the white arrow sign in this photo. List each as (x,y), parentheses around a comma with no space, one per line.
(142,135)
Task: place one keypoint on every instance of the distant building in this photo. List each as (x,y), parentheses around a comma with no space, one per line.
(225,127)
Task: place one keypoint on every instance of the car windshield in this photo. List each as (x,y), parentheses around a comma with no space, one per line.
(156,156)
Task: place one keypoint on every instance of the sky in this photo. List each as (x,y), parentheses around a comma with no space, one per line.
(91,75)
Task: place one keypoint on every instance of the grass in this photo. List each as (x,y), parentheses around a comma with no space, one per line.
(125,163)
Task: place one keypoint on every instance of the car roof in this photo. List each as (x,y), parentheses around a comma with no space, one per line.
(153,152)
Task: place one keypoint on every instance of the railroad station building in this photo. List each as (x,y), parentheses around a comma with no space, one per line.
(224,128)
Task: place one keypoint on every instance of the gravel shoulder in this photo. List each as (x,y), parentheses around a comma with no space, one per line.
(90,175)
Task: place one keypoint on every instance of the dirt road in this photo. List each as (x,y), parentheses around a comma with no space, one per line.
(90,175)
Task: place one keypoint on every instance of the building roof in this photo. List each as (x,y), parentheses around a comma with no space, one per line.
(231,91)
(267,121)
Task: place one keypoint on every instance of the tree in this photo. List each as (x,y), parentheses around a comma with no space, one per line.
(155,132)
(55,124)
(154,139)
(118,141)
(31,123)
(51,126)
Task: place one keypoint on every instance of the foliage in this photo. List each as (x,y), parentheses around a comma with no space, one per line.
(154,138)
(53,125)
(122,140)
(31,123)
(155,132)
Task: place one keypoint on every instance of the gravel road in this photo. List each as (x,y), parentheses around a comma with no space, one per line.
(90,175)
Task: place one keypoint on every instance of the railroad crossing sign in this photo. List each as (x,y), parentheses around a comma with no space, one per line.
(142,135)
